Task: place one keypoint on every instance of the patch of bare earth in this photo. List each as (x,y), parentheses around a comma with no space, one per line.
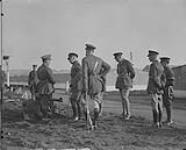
(112,133)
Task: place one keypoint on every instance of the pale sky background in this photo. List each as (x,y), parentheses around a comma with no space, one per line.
(32,28)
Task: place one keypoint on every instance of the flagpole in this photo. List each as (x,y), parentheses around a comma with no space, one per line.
(1,76)
(1,47)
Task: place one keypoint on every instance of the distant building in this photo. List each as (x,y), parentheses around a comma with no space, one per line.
(180,75)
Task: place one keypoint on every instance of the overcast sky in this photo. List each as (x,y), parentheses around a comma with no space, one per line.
(32,28)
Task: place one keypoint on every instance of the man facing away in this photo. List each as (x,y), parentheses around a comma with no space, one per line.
(124,82)
(45,86)
(94,71)
(168,95)
(155,87)
(32,81)
(75,85)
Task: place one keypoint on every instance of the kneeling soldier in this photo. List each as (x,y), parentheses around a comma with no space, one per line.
(75,85)
(168,95)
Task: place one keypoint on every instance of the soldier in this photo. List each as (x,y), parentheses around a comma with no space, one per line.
(124,82)
(32,81)
(155,87)
(94,71)
(45,86)
(75,85)
(168,95)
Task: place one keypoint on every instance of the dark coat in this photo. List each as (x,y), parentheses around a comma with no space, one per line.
(169,74)
(157,79)
(126,75)
(32,80)
(76,76)
(46,80)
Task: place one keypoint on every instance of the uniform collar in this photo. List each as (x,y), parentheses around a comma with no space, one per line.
(75,62)
(155,61)
(122,60)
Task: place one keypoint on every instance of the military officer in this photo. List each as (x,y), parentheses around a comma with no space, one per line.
(32,81)
(168,95)
(75,85)
(94,71)
(124,82)
(155,87)
(45,86)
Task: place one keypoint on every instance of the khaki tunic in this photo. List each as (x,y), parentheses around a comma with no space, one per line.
(169,74)
(168,95)
(157,79)
(76,75)
(76,81)
(32,81)
(126,75)
(94,71)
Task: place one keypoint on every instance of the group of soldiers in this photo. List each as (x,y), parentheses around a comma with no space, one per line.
(88,79)
(160,88)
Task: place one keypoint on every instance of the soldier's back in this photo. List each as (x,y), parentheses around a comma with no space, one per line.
(91,62)
(43,72)
(169,72)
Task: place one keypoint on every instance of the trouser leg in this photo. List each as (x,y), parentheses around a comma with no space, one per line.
(74,107)
(160,114)
(97,107)
(155,116)
(154,104)
(160,107)
(45,105)
(125,101)
(79,109)
(96,115)
(76,103)
(169,114)
(79,98)
(168,107)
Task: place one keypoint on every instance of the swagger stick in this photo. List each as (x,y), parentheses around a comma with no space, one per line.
(88,118)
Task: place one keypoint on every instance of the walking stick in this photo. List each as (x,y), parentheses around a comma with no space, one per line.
(88,118)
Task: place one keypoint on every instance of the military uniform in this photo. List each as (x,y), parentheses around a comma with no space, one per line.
(45,86)
(94,71)
(32,82)
(155,87)
(124,82)
(168,95)
(76,87)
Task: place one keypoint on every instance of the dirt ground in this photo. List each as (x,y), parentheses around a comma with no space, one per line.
(112,133)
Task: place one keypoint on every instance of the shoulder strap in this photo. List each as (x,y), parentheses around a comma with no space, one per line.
(95,66)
